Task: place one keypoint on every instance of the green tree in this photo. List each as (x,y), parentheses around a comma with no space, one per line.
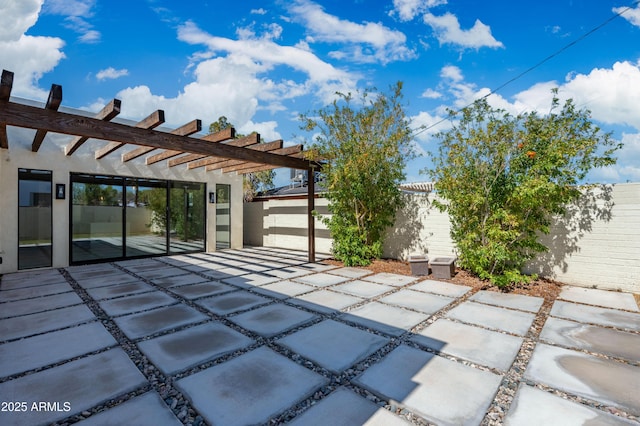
(365,141)
(502,178)
(252,183)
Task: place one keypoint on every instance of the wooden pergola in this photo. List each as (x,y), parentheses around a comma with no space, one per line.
(216,151)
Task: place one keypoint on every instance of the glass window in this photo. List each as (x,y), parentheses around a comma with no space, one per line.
(223,216)
(34,219)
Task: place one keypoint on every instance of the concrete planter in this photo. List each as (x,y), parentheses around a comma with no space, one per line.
(419,265)
(443,267)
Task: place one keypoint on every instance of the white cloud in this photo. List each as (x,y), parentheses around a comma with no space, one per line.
(264,54)
(366,43)
(448,31)
(451,72)
(631,15)
(111,74)
(260,11)
(431,94)
(409,9)
(17,17)
(29,57)
(77,12)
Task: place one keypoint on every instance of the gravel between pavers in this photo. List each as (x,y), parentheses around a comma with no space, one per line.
(183,410)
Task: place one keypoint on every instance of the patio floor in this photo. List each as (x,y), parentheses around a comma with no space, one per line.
(260,336)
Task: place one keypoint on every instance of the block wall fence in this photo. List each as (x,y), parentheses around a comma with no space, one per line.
(597,244)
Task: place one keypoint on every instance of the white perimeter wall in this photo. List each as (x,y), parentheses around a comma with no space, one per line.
(596,245)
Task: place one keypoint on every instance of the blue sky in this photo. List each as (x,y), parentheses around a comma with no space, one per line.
(261,63)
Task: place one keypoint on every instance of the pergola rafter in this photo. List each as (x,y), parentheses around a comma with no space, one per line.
(151,122)
(269,146)
(220,136)
(252,139)
(186,130)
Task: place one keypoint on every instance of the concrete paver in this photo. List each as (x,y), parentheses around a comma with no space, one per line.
(423,302)
(508,320)
(178,280)
(190,347)
(345,408)
(72,386)
(513,301)
(439,287)
(363,288)
(144,410)
(326,301)
(596,315)
(322,279)
(385,318)
(526,411)
(39,304)
(284,289)
(592,338)
(49,348)
(136,303)
(195,291)
(157,320)
(30,292)
(599,379)
(160,272)
(604,298)
(101,280)
(440,390)
(26,279)
(333,345)
(350,272)
(272,319)
(112,291)
(471,343)
(390,279)
(267,382)
(251,280)
(287,272)
(28,325)
(232,302)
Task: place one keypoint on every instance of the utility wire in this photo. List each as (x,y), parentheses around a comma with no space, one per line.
(528,70)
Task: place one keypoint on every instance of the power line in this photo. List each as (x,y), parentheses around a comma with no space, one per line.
(528,70)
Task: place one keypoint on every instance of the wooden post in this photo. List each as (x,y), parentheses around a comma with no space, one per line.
(310,207)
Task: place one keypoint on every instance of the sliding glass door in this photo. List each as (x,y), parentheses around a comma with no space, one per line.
(97,219)
(187,217)
(34,219)
(146,212)
(115,217)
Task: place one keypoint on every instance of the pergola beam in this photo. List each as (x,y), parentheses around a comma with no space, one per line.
(13,114)
(53,103)
(220,136)
(186,130)
(110,110)
(155,119)
(252,139)
(6,84)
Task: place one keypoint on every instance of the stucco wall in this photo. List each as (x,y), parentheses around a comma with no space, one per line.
(51,157)
(596,245)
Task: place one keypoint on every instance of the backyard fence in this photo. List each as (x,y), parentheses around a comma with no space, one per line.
(597,244)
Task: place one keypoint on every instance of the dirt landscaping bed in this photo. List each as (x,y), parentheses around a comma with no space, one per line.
(545,288)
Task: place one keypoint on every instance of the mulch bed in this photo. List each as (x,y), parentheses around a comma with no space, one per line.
(542,287)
